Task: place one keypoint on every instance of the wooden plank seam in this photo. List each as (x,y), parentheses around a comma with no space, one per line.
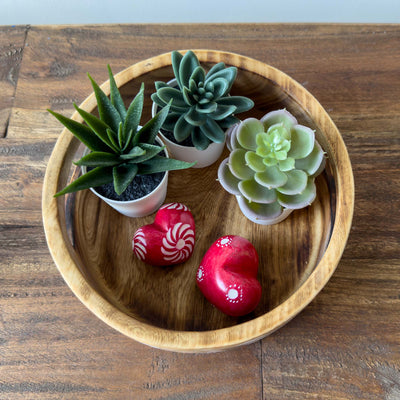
(14,82)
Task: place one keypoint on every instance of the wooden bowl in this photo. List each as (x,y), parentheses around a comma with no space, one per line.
(162,307)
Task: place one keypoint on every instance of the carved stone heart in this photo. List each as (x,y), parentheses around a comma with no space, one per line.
(227,275)
(169,239)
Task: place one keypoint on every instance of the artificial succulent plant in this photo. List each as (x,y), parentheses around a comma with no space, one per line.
(119,148)
(201,105)
(272,165)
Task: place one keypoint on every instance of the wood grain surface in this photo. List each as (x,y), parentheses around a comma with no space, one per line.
(344,345)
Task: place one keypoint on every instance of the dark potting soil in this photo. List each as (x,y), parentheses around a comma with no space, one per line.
(141,186)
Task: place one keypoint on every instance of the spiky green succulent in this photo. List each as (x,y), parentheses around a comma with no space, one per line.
(272,165)
(201,105)
(119,148)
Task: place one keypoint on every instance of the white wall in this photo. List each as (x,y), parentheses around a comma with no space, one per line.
(34,12)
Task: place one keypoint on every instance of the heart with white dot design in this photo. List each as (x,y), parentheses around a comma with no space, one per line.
(227,275)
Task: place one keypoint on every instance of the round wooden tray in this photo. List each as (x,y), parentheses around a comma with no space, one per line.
(162,307)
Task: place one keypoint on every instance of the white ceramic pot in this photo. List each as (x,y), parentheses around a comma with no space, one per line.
(143,206)
(203,158)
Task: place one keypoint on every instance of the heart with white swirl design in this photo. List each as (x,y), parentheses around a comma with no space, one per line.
(169,239)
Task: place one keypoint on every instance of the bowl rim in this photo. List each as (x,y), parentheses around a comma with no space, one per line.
(224,338)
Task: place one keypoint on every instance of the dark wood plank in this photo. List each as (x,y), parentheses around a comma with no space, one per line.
(345,345)
(12,43)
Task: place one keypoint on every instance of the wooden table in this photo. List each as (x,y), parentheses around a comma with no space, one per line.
(344,345)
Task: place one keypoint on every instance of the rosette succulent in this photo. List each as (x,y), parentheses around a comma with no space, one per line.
(201,106)
(272,166)
(118,148)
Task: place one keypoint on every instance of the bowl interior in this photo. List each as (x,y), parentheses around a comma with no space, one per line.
(100,238)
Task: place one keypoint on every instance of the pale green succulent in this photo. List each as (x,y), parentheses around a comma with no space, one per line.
(272,165)
(201,106)
(119,148)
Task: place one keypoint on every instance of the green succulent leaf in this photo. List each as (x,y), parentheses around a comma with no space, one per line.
(160,84)
(228,181)
(133,116)
(97,125)
(200,141)
(113,139)
(193,89)
(148,133)
(272,177)
(252,191)
(281,155)
(83,133)
(179,109)
(241,103)
(198,75)
(280,134)
(161,164)
(229,74)
(107,112)
(221,87)
(231,142)
(222,112)
(99,159)
(270,161)
(261,211)
(203,100)
(312,162)
(207,108)
(255,162)
(279,117)
(287,165)
(149,151)
(296,182)
(213,132)
(128,141)
(187,65)
(115,95)
(167,94)
(176,59)
(188,97)
(96,177)
(195,118)
(237,165)
(157,100)
(301,200)
(182,129)
(123,175)
(214,69)
(121,143)
(247,133)
(135,153)
(302,141)
(209,86)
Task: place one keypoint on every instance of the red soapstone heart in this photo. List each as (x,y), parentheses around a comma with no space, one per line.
(227,276)
(169,239)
